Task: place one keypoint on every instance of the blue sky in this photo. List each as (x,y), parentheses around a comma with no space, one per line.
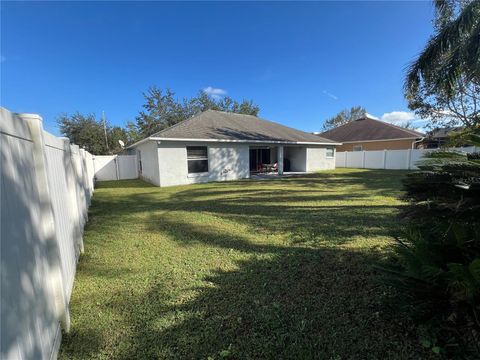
(301,62)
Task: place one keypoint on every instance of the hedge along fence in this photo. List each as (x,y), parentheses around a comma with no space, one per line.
(46,186)
(387,159)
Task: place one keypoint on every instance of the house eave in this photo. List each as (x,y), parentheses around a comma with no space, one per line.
(138,143)
(279,142)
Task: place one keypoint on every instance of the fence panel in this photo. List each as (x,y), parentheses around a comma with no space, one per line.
(397,159)
(374,159)
(115,167)
(46,185)
(127,167)
(105,167)
(64,205)
(340,159)
(355,159)
(387,159)
(416,156)
(26,326)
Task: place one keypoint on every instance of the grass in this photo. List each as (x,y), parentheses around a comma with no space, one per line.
(272,269)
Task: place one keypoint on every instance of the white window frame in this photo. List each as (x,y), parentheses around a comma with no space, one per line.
(357,148)
(333,152)
(194,174)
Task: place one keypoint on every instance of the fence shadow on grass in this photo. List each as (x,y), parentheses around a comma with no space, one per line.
(279,299)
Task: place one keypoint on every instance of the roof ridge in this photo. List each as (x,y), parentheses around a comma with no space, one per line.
(231,113)
(288,127)
(198,115)
(413,132)
(339,126)
(179,123)
(216,120)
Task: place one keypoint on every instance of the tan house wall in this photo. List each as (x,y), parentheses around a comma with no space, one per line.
(378,145)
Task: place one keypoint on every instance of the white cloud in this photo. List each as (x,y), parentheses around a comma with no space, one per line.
(398,117)
(371,116)
(401,118)
(331,96)
(215,92)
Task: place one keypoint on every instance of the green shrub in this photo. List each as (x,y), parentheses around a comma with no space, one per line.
(436,263)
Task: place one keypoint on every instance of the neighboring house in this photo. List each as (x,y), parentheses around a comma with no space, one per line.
(370,134)
(438,138)
(216,145)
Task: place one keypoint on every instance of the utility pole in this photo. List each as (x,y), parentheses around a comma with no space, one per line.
(105,130)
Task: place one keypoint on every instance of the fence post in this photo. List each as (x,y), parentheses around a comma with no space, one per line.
(363,159)
(345,158)
(115,160)
(85,182)
(75,194)
(47,229)
(385,159)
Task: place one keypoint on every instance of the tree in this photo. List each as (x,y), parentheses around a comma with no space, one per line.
(443,84)
(88,132)
(162,109)
(407,125)
(344,117)
(114,134)
(443,109)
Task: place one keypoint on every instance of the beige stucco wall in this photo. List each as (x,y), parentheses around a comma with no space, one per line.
(378,145)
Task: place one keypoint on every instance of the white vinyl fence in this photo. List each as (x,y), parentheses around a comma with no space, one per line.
(46,186)
(386,159)
(115,167)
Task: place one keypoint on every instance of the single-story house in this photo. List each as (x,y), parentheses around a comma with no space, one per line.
(371,134)
(438,138)
(216,145)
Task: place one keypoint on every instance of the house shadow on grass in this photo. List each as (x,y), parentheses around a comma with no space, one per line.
(134,183)
(313,209)
(303,218)
(287,303)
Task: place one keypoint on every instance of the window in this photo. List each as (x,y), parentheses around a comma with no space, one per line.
(357,148)
(330,152)
(197,159)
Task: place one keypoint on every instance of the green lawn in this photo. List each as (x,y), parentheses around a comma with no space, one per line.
(268,269)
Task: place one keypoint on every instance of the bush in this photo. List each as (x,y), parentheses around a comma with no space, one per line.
(436,263)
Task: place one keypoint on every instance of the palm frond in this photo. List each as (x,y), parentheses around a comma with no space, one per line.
(457,43)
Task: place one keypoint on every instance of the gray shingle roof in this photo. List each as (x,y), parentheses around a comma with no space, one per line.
(443,132)
(369,129)
(219,125)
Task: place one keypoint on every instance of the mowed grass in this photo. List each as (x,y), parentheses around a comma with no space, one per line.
(268,269)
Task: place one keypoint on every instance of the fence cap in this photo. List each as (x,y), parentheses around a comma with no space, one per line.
(30,116)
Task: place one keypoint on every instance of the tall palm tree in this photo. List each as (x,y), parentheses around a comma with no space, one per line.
(453,52)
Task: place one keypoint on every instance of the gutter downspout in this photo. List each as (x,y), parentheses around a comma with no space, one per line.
(418,141)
